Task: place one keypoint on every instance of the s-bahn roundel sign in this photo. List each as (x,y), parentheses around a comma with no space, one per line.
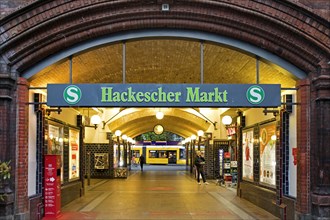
(72,94)
(255,94)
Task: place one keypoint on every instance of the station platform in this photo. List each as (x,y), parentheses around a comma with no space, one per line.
(160,192)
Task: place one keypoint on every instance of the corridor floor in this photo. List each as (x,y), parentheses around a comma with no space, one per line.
(160,192)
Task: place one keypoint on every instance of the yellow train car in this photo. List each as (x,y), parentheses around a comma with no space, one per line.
(136,153)
(164,154)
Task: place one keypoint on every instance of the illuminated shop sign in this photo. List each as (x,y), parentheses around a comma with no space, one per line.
(169,95)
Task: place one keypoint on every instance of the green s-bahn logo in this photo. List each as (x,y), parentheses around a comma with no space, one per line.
(255,95)
(72,94)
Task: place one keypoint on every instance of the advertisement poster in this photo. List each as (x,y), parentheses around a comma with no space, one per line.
(268,154)
(55,142)
(115,156)
(73,154)
(248,155)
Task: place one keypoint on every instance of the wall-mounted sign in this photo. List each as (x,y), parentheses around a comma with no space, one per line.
(52,186)
(175,95)
(101,161)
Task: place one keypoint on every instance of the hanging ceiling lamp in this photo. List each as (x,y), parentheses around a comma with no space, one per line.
(159,115)
(227,120)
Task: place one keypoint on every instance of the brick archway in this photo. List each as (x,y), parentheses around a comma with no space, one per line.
(293,33)
(44,28)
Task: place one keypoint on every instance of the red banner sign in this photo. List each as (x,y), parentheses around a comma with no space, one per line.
(294,154)
(52,190)
(226,155)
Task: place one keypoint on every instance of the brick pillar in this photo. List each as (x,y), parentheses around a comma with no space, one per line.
(22,150)
(7,118)
(320,139)
(8,135)
(303,208)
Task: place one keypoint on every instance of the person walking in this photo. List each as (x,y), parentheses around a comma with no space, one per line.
(199,163)
(142,161)
(133,162)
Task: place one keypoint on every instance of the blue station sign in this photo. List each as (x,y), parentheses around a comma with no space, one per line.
(164,95)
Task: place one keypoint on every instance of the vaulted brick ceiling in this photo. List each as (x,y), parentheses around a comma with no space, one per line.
(181,121)
(163,61)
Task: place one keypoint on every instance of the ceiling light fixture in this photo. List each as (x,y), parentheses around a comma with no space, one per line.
(159,115)
(200,133)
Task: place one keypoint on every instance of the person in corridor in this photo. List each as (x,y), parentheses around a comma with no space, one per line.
(199,163)
(141,161)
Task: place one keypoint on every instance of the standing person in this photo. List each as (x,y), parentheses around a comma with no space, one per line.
(199,163)
(141,161)
(133,161)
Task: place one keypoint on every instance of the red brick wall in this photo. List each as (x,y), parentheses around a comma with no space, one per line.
(22,150)
(8,132)
(5,105)
(319,7)
(320,139)
(9,6)
(303,144)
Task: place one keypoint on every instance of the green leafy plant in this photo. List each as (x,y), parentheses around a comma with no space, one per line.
(5,169)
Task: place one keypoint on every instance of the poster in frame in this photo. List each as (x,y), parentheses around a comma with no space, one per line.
(55,142)
(74,155)
(247,157)
(267,140)
(55,139)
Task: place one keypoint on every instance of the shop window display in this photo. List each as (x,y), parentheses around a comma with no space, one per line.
(64,140)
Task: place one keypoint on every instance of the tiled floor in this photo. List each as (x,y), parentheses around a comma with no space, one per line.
(160,192)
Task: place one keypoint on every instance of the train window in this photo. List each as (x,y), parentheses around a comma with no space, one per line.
(182,153)
(136,153)
(157,154)
(162,154)
(152,154)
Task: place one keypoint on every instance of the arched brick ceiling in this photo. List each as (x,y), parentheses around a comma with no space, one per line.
(163,61)
(45,28)
(181,121)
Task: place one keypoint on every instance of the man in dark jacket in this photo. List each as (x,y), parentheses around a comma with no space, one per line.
(141,161)
(199,163)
